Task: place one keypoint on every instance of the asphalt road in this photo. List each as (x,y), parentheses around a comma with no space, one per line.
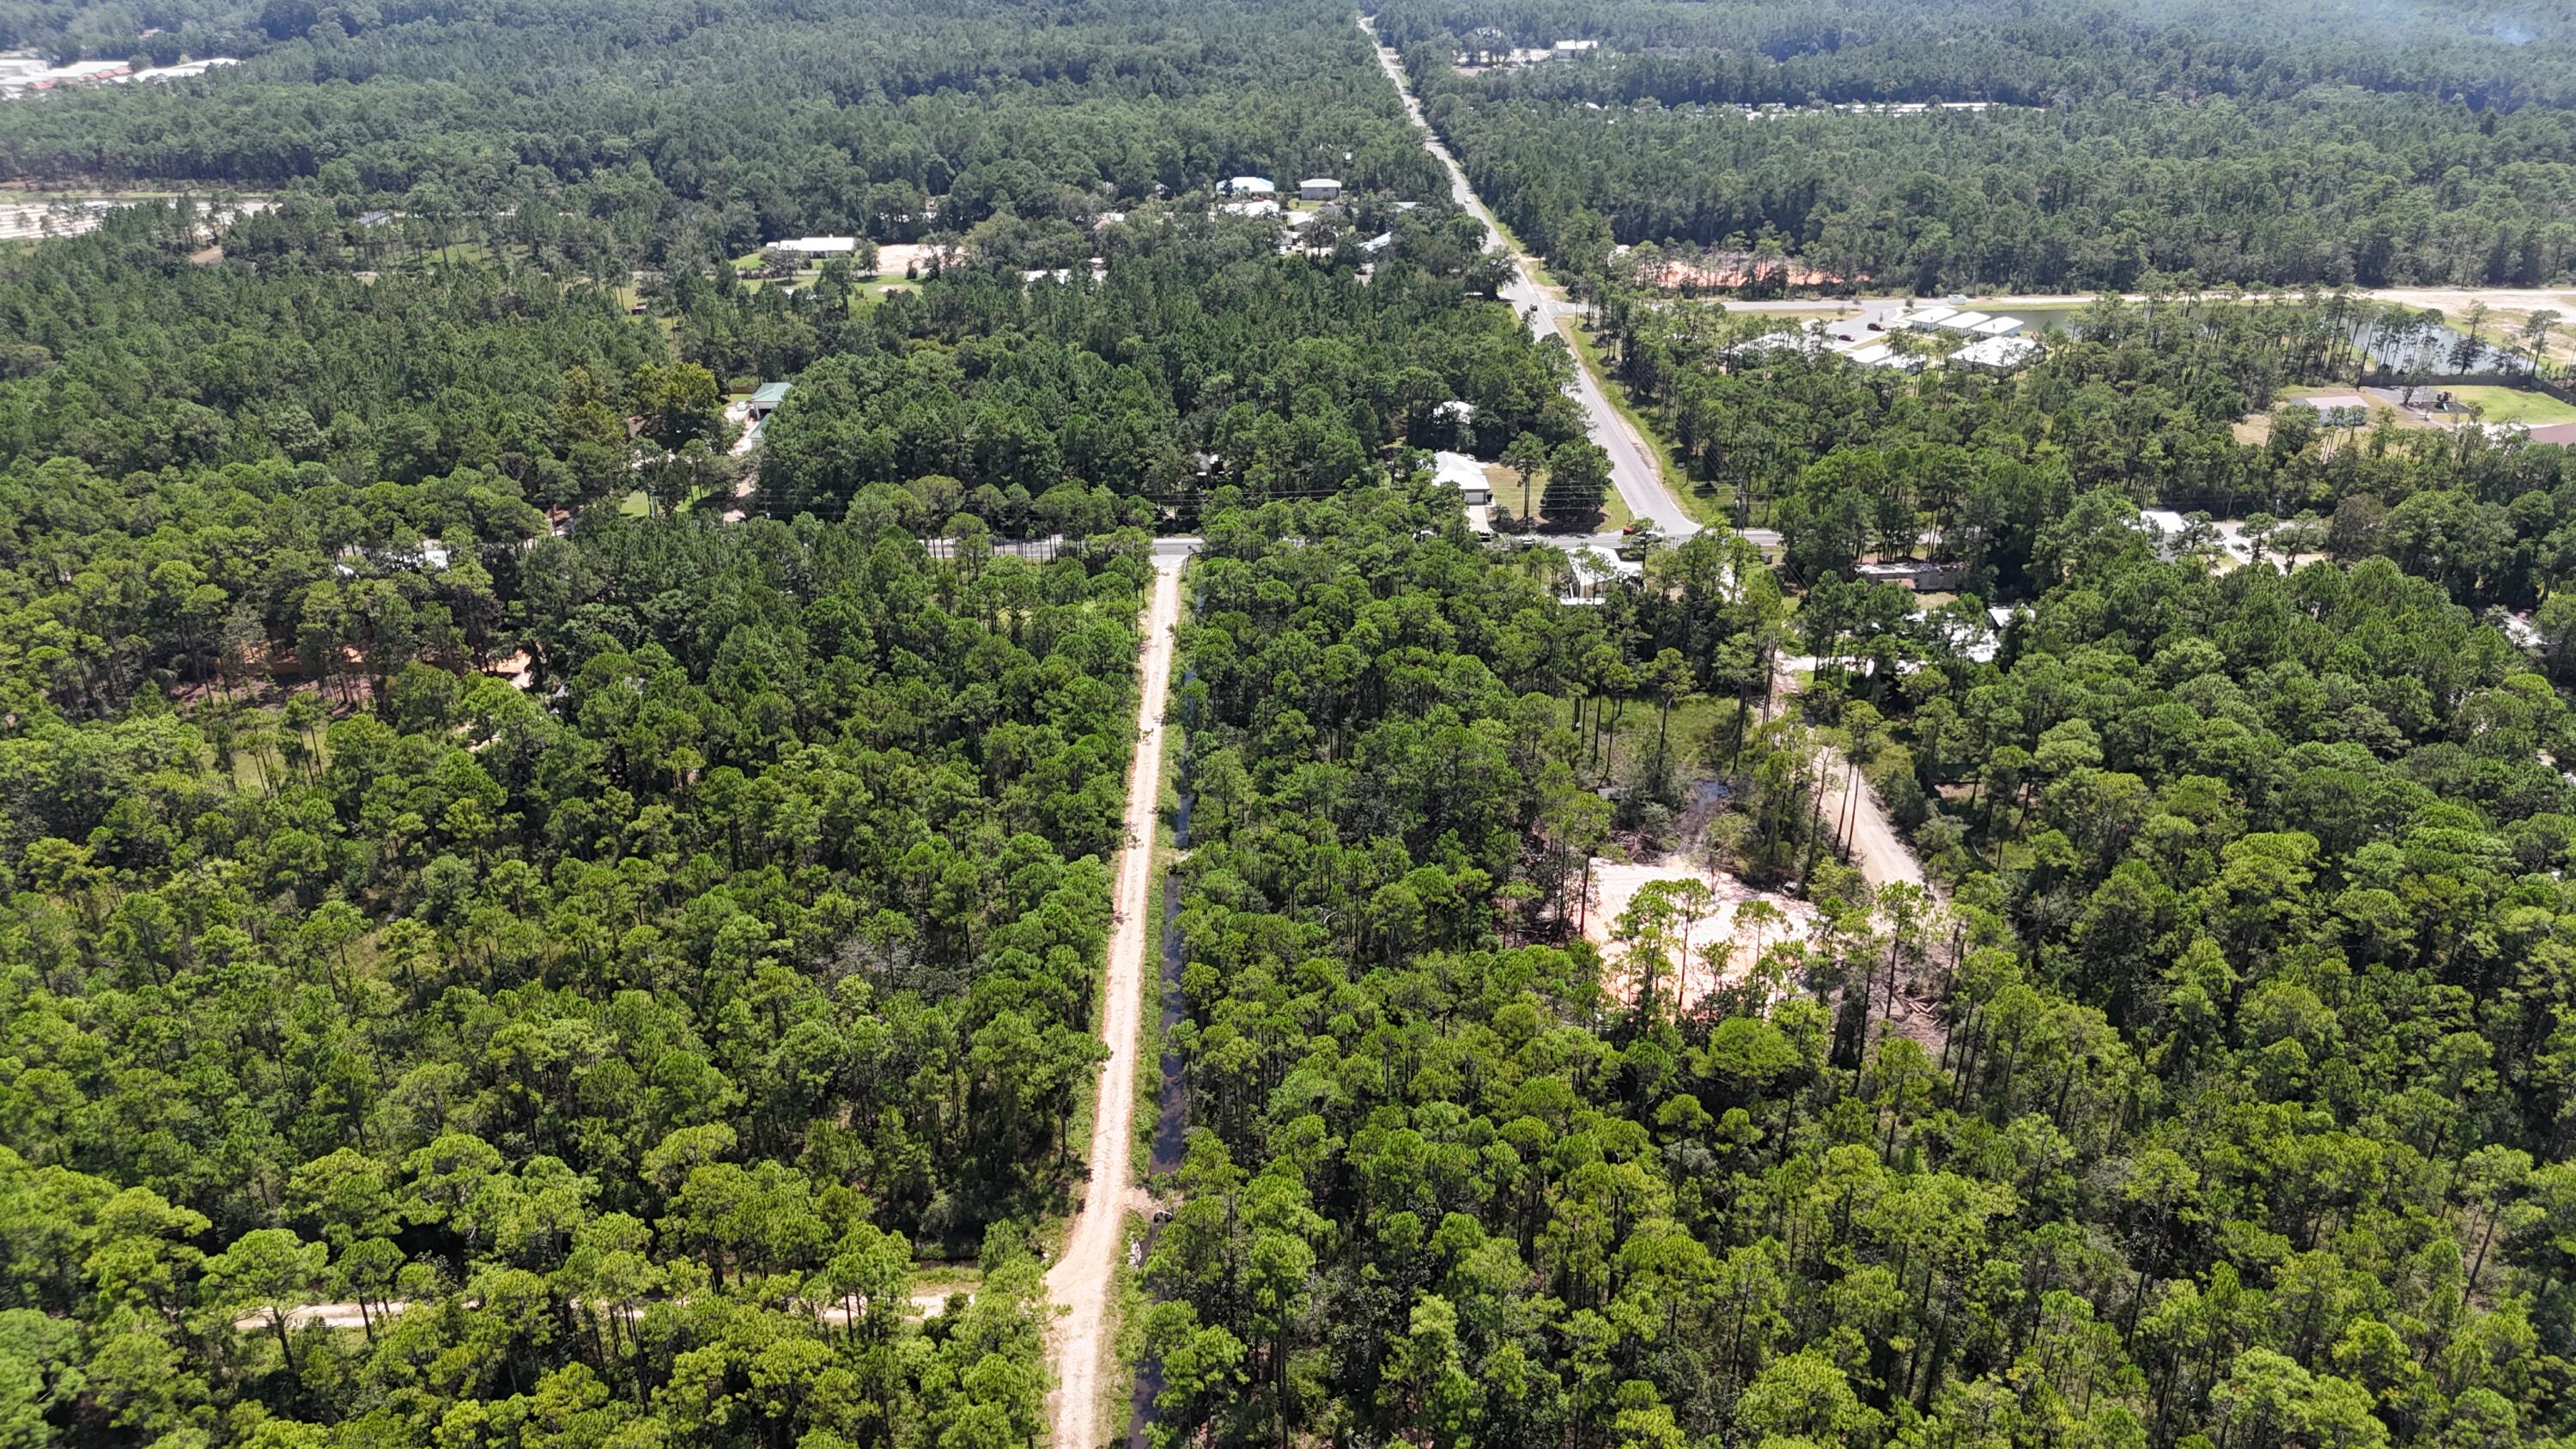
(1632,467)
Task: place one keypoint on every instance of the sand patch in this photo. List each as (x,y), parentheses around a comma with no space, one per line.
(1614,888)
(895,259)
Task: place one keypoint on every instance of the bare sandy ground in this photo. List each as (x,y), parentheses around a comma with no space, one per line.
(1615,885)
(894,257)
(1876,850)
(1080,1282)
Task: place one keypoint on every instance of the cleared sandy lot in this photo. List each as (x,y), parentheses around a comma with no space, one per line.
(1615,885)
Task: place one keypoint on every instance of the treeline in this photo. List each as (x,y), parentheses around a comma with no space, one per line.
(2042,53)
(617,1053)
(125,356)
(689,133)
(2236,1121)
(2112,153)
(64,31)
(1203,360)
(1853,462)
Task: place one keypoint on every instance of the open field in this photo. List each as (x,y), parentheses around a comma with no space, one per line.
(2514,405)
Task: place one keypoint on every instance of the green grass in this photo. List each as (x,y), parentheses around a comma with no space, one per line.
(2515,405)
(1615,513)
(1149,1045)
(1537,269)
(1695,720)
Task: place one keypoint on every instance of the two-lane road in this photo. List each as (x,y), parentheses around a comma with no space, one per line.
(1632,467)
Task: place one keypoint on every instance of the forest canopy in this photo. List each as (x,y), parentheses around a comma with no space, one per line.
(2249,144)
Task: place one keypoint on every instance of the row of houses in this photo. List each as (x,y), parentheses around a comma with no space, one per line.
(24,72)
(1313,188)
(1491,47)
(1994,344)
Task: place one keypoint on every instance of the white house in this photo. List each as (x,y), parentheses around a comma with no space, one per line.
(1465,474)
(1920,575)
(1250,186)
(2164,528)
(1319,188)
(811,247)
(1475,494)
(2002,353)
(1594,576)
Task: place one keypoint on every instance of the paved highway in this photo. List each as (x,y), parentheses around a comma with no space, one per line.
(1632,467)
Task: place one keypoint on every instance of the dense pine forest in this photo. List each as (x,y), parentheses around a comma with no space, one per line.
(2241,1121)
(617,920)
(2283,145)
(647,132)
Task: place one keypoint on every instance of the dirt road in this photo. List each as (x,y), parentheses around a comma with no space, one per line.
(1081,1281)
(1877,851)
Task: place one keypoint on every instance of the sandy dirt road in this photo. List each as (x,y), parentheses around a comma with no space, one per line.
(1080,1282)
(1877,851)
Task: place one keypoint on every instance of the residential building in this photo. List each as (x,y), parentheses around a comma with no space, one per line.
(816,247)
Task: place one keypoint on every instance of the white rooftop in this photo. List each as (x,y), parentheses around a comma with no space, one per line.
(1930,317)
(1459,471)
(818,245)
(1997,327)
(1997,352)
(1964,321)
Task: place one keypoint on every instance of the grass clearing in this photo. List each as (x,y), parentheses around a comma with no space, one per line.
(1697,719)
(2514,405)
(2502,327)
